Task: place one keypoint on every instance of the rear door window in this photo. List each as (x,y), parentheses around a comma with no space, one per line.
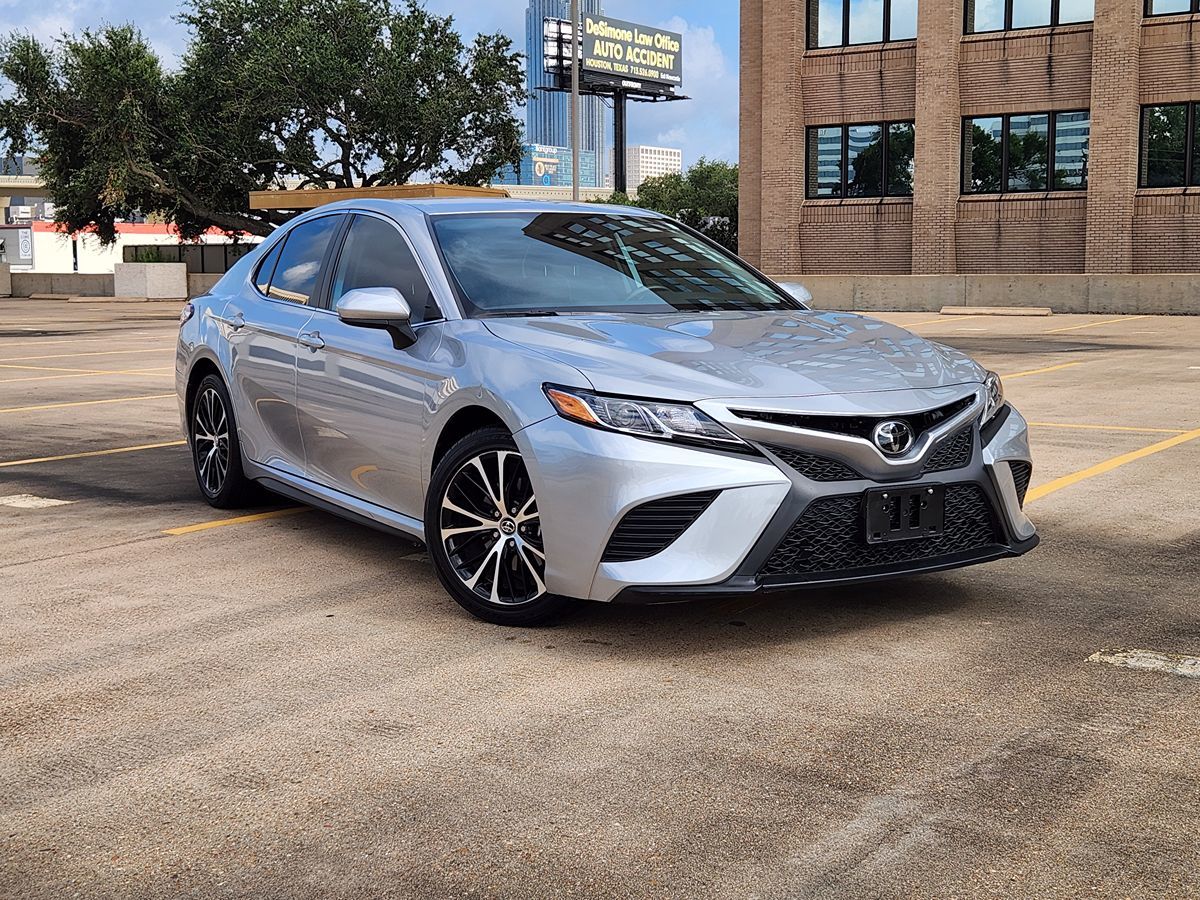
(298,271)
(267,268)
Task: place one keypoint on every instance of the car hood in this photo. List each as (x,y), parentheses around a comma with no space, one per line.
(699,356)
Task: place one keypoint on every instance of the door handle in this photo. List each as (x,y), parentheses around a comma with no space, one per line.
(312,340)
(235,322)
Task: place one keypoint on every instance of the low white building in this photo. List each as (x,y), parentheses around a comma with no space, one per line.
(643,161)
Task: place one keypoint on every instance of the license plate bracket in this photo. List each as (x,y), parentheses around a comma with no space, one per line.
(905,513)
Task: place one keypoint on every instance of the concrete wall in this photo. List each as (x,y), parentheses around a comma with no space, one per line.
(154,281)
(26,284)
(200,283)
(5,281)
(1177,294)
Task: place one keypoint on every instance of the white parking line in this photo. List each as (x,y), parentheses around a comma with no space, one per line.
(29,501)
(1151,661)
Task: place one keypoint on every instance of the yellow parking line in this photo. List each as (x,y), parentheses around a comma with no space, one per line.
(1108,465)
(89,353)
(46,368)
(46,459)
(1095,324)
(1095,427)
(1042,371)
(15,409)
(239,520)
(155,371)
(947,319)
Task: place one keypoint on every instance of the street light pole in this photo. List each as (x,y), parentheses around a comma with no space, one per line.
(575,129)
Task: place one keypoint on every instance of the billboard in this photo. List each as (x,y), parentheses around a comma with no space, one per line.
(626,51)
(617,53)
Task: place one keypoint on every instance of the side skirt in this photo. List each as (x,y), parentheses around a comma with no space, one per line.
(339,504)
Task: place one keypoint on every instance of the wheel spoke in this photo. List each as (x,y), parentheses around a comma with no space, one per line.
(477,463)
(448,533)
(455,508)
(493,551)
(532,569)
(495,597)
(525,514)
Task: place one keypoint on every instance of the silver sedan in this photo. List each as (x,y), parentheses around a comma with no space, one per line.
(590,402)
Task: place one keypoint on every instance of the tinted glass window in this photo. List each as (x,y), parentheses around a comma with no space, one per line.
(1028,138)
(1165,7)
(985,15)
(825,162)
(267,268)
(299,265)
(1164,145)
(982,140)
(1030,13)
(824,23)
(376,255)
(901,143)
(904,20)
(866,21)
(864,161)
(1076,11)
(1071,134)
(517,263)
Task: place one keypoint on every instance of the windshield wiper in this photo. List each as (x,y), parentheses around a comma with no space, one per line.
(513,313)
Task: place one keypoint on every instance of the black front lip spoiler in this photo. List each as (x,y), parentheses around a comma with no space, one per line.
(745,585)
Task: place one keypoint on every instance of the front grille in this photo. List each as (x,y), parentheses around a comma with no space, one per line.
(818,468)
(1021,473)
(856,426)
(952,453)
(652,527)
(829,537)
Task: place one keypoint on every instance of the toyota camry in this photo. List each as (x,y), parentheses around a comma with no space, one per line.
(584,402)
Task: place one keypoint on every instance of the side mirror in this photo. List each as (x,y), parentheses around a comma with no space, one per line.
(379,307)
(797,292)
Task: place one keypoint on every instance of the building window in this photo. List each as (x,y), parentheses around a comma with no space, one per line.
(1025,152)
(1008,15)
(1171,7)
(874,159)
(840,23)
(1170,140)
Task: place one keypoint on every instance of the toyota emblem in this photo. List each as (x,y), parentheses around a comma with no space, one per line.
(893,437)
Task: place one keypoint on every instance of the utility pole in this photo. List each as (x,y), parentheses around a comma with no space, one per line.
(575,124)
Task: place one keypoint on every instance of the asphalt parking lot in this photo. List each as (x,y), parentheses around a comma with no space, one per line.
(290,706)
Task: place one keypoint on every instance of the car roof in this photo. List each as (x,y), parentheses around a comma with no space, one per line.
(458,205)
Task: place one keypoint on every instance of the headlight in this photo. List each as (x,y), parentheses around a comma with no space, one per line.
(186,314)
(994,389)
(644,418)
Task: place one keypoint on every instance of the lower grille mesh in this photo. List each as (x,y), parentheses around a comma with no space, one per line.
(654,526)
(1021,473)
(829,536)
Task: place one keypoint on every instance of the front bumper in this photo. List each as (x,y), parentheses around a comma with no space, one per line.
(770,527)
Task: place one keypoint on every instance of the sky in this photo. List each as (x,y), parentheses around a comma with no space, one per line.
(704,126)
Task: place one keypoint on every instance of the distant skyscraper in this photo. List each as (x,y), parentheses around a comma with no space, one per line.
(548,115)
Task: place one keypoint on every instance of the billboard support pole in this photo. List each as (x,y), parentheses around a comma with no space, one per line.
(575,129)
(620,172)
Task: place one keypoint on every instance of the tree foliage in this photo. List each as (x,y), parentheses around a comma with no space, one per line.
(318,92)
(704,198)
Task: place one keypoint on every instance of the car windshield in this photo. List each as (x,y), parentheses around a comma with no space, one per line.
(550,263)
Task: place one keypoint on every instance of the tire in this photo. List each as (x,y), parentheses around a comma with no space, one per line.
(216,452)
(490,560)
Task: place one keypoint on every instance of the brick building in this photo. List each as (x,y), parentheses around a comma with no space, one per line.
(1012,136)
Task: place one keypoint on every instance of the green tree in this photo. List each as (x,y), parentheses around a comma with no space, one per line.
(704,198)
(320,92)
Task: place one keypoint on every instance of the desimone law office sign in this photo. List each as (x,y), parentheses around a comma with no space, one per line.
(626,51)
